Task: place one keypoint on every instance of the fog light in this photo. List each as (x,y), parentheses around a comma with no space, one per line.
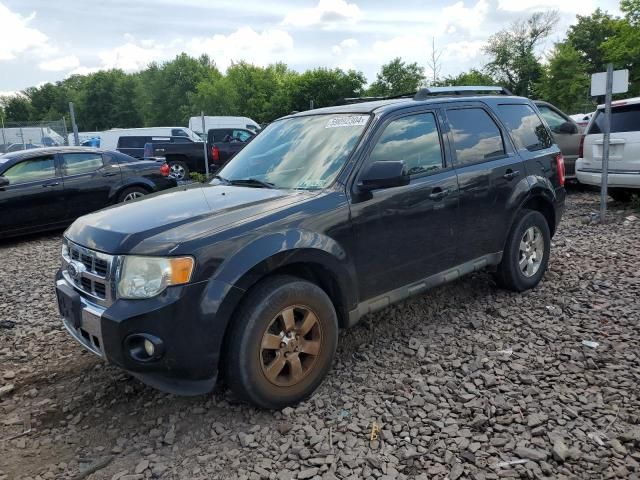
(149,348)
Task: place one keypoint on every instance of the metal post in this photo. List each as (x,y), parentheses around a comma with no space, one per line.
(76,139)
(24,145)
(204,146)
(4,138)
(605,144)
(310,104)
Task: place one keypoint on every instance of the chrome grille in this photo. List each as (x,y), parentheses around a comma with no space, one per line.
(89,271)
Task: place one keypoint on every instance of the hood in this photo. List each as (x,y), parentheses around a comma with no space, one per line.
(164,220)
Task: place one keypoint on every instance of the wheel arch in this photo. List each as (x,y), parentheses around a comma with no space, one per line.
(138,182)
(540,202)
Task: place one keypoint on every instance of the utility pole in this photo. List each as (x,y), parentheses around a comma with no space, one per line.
(605,144)
(205,136)
(4,138)
(76,138)
(434,61)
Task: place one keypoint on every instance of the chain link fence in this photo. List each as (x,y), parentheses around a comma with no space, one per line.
(16,136)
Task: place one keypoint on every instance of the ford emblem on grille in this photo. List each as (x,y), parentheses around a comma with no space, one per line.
(75,269)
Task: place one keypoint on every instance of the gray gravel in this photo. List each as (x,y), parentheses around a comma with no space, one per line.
(467,381)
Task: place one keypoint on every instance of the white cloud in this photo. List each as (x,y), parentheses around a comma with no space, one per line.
(260,48)
(328,13)
(463,50)
(344,45)
(131,56)
(60,64)
(581,7)
(17,37)
(457,15)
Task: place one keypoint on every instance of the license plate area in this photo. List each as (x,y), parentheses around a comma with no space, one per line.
(69,304)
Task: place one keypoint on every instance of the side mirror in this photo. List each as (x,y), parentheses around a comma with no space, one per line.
(567,127)
(385,174)
(4,182)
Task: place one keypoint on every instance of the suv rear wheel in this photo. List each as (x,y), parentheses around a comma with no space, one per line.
(526,255)
(282,343)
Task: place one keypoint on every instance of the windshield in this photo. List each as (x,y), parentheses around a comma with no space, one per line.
(300,152)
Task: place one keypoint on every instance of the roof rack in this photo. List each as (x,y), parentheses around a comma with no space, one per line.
(425,93)
(372,99)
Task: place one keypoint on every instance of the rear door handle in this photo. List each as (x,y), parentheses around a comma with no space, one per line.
(439,194)
(109,174)
(51,184)
(511,174)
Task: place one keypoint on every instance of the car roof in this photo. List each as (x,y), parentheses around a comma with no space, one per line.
(384,106)
(36,152)
(621,103)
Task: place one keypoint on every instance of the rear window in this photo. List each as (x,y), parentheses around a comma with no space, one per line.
(178,132)
(524,125)
(623,119)
(132,142)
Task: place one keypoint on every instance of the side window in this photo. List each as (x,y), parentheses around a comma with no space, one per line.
(32,170)
(77,163)
(554,119)
(476,136)
(415,140)
(132,142)
(524,125)
(241,135)
(178,132)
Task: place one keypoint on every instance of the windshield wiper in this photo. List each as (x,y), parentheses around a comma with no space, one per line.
(222,179)
(252,182)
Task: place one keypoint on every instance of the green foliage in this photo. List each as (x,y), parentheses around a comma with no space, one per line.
(397,77)
(17,108)
(588,35)
(198,177)
(471,78)
(565,82)
(514,62)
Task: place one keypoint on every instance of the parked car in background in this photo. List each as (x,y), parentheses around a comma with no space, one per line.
(186,157)
(16,147)
(47,188)
(195,124)
(326,216)
(624,150)
(582,119)
(134,145)
(109,139)
(566,133)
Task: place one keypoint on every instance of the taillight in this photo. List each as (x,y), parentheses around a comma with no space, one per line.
(560,168)
(165,170)
(215,154)
(581,147)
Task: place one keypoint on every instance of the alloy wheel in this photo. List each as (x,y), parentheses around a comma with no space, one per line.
(133,196)
(177,171)
(290,346)
(531,251)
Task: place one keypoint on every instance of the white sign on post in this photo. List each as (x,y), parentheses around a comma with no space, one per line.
(599,82)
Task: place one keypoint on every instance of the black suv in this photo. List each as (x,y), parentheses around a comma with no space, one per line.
(324,217)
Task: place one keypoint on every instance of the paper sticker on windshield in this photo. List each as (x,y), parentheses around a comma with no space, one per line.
(347,121)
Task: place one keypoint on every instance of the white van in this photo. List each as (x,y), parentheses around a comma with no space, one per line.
(109,139)
(195,124)
(624,150)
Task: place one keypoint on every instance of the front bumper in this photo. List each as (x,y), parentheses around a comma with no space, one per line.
(183,317)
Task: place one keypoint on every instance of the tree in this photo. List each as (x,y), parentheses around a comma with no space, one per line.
(397,77)
(566,82)
(434,62)
(623,48)
(513,52)
(325,87)
(472,77)
(589,34)
(17,108)
(96,112)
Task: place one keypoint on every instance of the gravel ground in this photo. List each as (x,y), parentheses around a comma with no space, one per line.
(466,381)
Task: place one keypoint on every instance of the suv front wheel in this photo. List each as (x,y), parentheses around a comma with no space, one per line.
(526,254)
(282,343)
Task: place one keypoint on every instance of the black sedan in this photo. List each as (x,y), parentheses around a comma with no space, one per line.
(47,188)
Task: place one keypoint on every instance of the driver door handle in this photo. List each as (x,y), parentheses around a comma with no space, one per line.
(51,184)
(511,174)
(438,193)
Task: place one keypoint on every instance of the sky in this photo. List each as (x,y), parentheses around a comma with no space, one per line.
(46,41)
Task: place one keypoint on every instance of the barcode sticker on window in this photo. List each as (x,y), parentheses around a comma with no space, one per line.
(347,121)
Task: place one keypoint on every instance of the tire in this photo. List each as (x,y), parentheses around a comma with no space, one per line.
(272,374)
(621,195)
(532,231)
(132,193)
(178,170)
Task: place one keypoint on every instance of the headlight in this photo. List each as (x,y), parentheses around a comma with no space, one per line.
(146,277)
